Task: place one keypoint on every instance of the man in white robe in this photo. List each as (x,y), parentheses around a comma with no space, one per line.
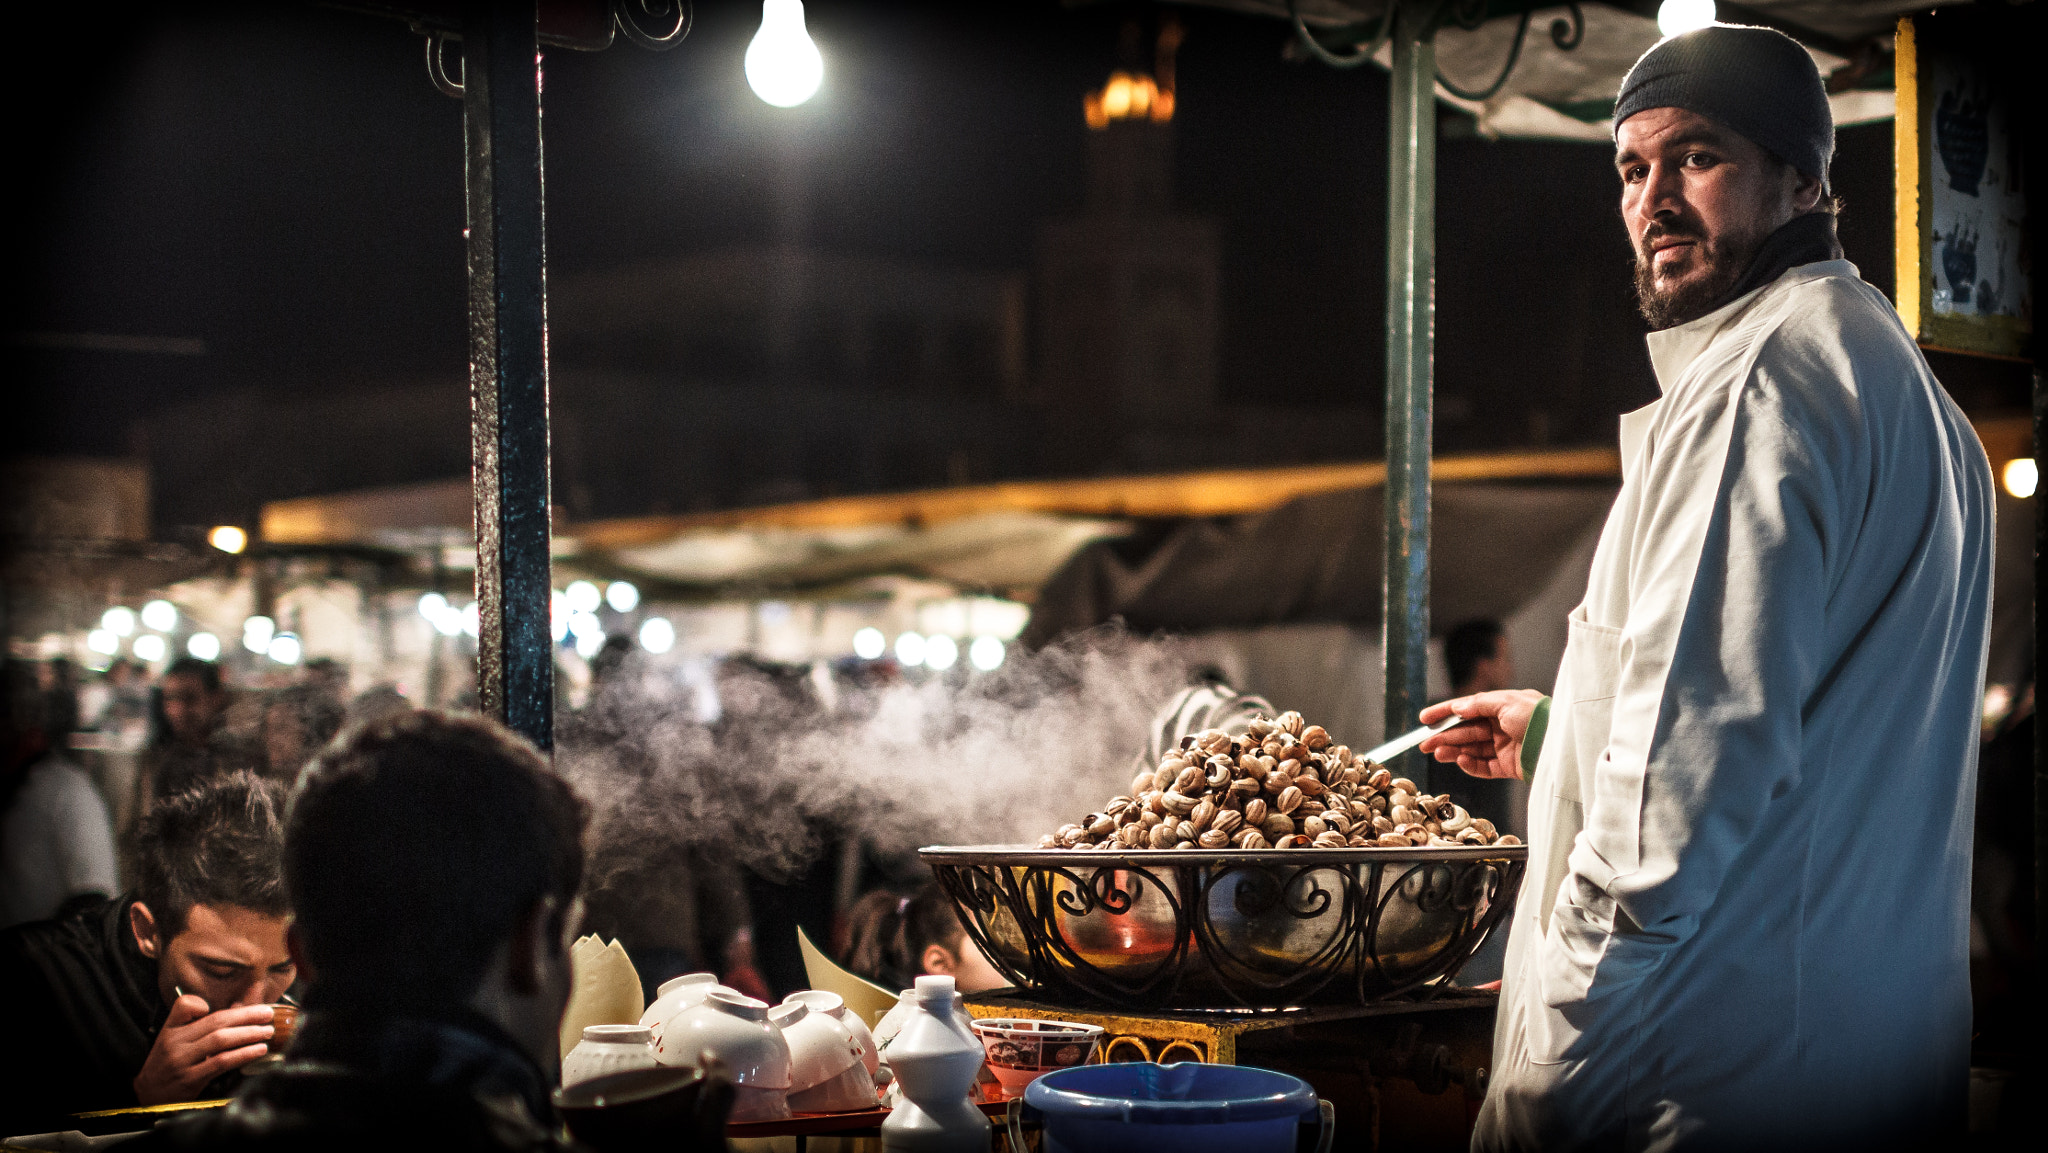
(1744,922)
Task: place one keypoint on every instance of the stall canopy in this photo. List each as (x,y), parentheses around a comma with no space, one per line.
(1317,559)
(1571,58)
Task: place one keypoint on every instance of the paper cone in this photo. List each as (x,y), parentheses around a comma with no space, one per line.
(606,989)
(861,995)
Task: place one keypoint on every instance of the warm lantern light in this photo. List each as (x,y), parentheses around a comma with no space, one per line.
(1128,96)
(2021,477)
(205,646)
(228,538)
(783,65)
(941,652)
(160,615)
(149,648)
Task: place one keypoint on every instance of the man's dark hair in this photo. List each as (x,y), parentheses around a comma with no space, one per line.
(207,672)
(218,843)
(412,849)
(1468,644)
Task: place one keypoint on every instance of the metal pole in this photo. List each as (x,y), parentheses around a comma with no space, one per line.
(508,367)
(2040,748)
(1411,332)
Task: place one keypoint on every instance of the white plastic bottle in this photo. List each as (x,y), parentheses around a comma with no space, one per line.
(935,1059)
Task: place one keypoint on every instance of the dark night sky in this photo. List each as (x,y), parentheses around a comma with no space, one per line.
(284,183)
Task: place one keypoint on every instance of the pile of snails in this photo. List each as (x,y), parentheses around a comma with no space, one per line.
(1283,784)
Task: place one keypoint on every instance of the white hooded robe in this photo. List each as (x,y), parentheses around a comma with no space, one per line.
(1744,922)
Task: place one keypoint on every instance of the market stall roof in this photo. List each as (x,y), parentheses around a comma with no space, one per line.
(1559,93)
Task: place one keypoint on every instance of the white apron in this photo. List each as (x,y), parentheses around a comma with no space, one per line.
(1745,919)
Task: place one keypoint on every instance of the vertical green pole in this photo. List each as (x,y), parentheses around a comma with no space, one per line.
(1411,332)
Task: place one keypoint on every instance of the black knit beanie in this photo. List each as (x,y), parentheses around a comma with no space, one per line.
(1757,81)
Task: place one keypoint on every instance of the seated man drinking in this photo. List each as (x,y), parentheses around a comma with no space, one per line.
(433,862)
(161,995)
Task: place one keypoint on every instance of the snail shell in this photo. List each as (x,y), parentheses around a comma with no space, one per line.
(1289,799)
(1277,825)
(1163,836)
(1391,841)
(1227,821)
(1314,826)
(1315,737)
(1457,822)
(1213,839)
(1203,813)
(1255,811)
(1187,779)
(1330,840)
(1252,839)
(1291,841)
(1179,804)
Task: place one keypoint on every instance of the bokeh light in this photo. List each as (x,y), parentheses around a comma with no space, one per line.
(657,635)
(869,644)
(160,615)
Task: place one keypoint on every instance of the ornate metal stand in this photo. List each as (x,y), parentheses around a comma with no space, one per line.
(1230,930)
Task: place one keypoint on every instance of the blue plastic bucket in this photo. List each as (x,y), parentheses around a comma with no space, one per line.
(1134,1107)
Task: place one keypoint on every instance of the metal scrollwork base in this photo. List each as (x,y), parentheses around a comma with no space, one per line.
(1199,929)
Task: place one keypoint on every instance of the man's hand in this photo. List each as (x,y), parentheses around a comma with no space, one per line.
(1491,745)
(196,1046)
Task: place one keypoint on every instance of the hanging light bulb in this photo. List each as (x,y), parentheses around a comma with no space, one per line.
(1676,16)
(783,66)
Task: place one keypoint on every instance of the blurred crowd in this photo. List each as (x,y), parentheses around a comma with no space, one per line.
(90,754)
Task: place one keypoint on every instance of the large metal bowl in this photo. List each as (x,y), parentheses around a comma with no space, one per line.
(1224,929)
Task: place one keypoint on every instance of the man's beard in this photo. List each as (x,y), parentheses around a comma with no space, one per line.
(1671,307)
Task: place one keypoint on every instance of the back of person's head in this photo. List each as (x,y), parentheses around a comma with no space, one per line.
(889,933)
(414,847)
(207,672)
(1468,644)
(312,708)
(219,843)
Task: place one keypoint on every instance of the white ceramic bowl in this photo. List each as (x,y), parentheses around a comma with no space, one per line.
(822,1052)
(675,995)
(834,1006)
(609,1049)
(735,1029)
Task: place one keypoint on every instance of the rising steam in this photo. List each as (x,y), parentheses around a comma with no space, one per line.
(1001,757)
